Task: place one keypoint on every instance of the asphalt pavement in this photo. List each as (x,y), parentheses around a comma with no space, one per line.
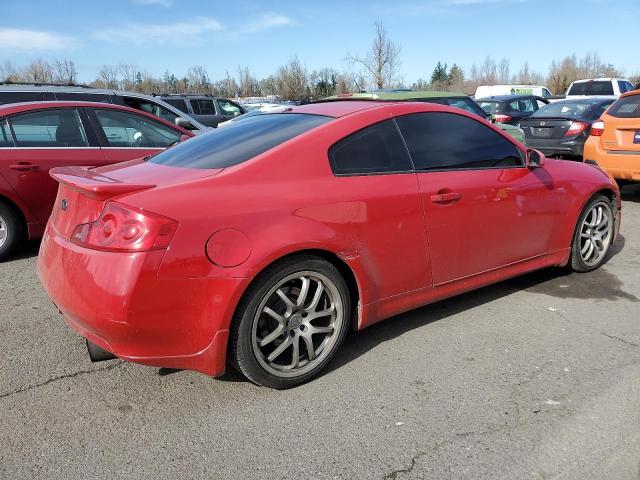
(533,378)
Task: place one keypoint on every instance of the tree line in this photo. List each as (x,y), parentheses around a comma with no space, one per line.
(378,68)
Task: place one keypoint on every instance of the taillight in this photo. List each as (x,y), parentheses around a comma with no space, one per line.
(575,128)
(597,128)
(121,228)
(501,118)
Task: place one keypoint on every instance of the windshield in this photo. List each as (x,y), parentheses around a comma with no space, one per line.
(565,109)
(239,141)
(601,87)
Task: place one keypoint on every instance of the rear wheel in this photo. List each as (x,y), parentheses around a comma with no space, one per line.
(593,235)
(11,231)
(291,322)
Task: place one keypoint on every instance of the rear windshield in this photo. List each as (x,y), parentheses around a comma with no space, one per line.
(566,109)
(601,87)
(490,107)
(627,107)
(239,141)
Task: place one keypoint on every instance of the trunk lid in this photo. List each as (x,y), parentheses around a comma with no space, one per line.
(83,191)
(541,128)
(621,134)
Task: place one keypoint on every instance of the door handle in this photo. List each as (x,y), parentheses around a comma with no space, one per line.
(24,166)
(445,197)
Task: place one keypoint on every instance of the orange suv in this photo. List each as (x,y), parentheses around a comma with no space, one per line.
(614,143)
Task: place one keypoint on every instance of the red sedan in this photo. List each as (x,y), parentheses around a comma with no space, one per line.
(35,137)
(264,242)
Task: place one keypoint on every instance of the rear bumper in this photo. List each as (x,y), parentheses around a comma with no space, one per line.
(118,302)
(621,166)
(557,146)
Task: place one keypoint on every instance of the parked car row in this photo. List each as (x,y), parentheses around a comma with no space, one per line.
(38,136)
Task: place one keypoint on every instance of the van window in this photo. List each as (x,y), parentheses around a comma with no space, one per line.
(179,103)
(83,97)
(546,93)
(16,97)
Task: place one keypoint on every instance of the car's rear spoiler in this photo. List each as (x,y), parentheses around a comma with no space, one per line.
(92,184)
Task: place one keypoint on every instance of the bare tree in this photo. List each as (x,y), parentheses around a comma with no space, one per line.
(129,76)
(291,80)
(247,84)
(107,77)
(382,63)
(199,80)
(64,71)
(9,72)
(38,71)
(504,71)
(488,71)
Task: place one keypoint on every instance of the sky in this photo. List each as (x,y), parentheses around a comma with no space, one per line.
(160,35)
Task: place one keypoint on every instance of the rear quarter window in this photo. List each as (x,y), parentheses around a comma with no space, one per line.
(627,107)
(239,141)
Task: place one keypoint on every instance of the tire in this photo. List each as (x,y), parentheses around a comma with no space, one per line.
(593,235)
(263,345)
(12,231)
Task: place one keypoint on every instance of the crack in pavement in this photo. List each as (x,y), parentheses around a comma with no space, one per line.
(61,377)
(614,337)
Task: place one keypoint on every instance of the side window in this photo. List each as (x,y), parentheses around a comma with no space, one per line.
(375,149)
(540,103)
(513,106)
(445,141)
(16,97)
(546,93)
(6,140)
(150,107)
(179,103)
(526,106)
(83,97)
(125,129)
(203,107)
(49,128)
(229,108)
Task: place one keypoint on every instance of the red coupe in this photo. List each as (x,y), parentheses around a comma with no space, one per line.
(264,242)
(35,137)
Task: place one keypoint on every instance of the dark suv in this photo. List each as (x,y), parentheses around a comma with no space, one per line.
(206,109)
(11,92)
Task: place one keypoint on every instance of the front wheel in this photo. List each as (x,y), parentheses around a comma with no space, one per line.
(291,322)
(593,235)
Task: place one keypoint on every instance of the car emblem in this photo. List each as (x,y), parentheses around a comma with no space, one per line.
(64,204)
(542,124)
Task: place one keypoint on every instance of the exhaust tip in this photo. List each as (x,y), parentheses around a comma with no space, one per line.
(97,354)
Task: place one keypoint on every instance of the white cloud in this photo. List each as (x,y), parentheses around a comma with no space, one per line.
(30,40)
(180,33)
(266,22)
(163,3)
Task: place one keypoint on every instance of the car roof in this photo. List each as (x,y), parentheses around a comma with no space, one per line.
(395,96)
(504,98)
(13,108)
(631,93)
(593,99)
(335,108)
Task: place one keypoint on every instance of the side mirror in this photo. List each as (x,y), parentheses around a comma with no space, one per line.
(535,159)
(491,118)
(184,123)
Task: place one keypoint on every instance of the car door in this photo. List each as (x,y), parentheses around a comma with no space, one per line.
(205,111)
(484,208)
(44,139)
(384,205)
(125,135)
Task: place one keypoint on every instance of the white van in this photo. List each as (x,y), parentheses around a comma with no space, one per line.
(484,91)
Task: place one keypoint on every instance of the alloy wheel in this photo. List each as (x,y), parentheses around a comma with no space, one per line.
(3,231)
(297,324)
(595,233)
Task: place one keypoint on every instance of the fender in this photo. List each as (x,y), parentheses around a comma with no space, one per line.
(8,194)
